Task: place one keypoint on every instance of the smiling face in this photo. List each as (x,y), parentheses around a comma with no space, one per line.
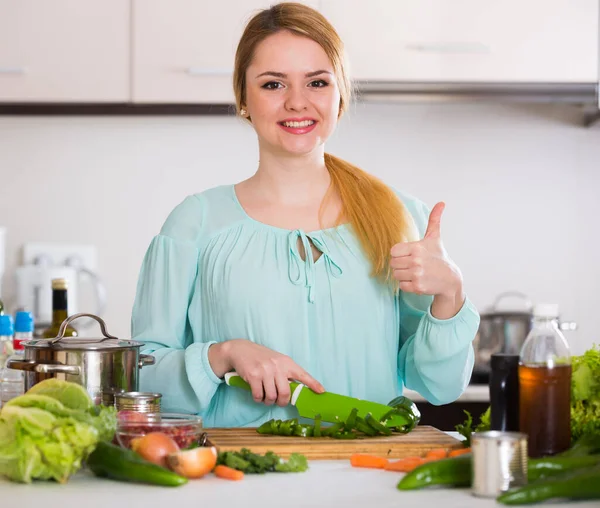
(292,94)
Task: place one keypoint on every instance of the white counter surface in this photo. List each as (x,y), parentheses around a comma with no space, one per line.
(327,484)
(473,393)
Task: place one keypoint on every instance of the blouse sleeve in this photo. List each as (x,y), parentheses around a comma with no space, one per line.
(436,355)
(160,319)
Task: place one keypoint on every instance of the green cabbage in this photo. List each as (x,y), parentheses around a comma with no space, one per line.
(45,437)
(585,393)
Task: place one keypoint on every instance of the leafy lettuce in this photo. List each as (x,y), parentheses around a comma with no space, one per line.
(585,393)
(42,438)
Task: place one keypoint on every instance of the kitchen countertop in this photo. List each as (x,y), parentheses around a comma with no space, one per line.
(330,483)
(473,393)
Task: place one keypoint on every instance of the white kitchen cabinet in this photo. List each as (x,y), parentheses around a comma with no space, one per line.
(518,41)
(183,50)
(64,50)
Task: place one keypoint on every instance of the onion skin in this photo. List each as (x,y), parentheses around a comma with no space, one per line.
(194,463)
(155,447)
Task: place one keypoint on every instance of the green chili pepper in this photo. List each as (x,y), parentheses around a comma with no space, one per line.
(349,425)
(111,461)
(455,472)
(303,430)
(345,434)
(550,466)
(362,426)
(317,429)
(376,426)
(577,484)
(266,428)
(334,429)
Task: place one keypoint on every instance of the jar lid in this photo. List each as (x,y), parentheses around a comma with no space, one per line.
(138,396)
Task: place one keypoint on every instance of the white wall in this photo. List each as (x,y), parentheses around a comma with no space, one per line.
(521,186)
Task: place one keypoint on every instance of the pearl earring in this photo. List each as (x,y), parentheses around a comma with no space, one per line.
(242,112)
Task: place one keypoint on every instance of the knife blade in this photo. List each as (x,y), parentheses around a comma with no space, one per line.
(332,407)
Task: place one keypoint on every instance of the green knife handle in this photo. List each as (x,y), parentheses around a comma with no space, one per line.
(234,379)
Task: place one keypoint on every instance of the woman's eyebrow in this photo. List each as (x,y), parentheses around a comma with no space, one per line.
(282,75)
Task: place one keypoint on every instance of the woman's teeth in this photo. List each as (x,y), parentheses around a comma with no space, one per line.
(296,125)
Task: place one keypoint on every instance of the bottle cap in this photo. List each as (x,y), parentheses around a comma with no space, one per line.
(23,321)
(6,325)
(546,310)
(59,284)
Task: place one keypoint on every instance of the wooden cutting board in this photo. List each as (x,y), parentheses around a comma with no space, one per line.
(417,442)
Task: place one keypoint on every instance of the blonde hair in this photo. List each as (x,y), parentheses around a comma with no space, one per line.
(378,217)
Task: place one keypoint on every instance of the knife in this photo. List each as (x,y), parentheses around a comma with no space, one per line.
(332,407)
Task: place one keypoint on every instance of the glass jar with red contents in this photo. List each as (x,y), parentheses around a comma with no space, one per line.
(185,429)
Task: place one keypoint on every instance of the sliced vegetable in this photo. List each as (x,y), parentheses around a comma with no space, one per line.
(365,460)
(154,447)
(253,463)
(228,473)
(460,451)
(193,463)
(436,454)
(376,426)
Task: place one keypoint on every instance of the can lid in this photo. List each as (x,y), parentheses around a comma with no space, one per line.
(499,435)
(6,325)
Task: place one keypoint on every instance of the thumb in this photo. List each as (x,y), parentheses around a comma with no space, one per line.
(435,217)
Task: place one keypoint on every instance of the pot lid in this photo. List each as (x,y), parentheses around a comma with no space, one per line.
(108,342)
(82,343)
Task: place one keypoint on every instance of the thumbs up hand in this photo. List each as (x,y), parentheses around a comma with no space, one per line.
(423,267)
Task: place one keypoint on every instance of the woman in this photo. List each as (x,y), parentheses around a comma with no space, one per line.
(310,270)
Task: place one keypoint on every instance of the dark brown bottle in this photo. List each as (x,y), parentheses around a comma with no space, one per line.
(59,310)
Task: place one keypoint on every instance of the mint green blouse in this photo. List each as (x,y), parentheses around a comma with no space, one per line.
(213,274)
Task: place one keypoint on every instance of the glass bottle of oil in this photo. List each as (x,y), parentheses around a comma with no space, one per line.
(545,385)
(59,310)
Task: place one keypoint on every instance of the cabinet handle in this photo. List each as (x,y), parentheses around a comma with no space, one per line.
(450,47)
(11,70)
(207,71)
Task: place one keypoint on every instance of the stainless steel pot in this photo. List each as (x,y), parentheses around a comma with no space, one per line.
(103,366)
(504,331)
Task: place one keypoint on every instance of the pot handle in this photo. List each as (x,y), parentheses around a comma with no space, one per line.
(43,368)
(70,319)
(146,360)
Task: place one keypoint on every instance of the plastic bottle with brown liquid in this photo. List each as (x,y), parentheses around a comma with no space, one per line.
(545,385)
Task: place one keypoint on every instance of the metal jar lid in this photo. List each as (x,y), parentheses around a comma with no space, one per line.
(145,402)
(60,342)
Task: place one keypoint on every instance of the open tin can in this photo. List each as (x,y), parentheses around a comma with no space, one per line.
(499,462)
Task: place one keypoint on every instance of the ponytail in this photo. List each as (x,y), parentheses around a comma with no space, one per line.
(378,217)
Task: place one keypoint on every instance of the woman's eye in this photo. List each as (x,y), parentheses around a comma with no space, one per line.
(271,85)
(318,83)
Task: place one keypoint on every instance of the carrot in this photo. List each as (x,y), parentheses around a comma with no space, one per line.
(437,453)
(460,451)
(228,473)
(364,460)
(404,465)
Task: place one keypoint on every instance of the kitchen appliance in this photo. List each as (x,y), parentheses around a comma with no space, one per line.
(397,446)
(34,289)
(331,406)
(503,329)
(101,365)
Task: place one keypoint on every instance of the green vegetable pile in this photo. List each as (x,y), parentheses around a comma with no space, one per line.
(48,432)
(585,393)
(353,427)
(252,463)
